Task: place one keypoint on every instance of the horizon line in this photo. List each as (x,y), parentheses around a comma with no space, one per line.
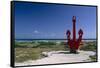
(57,39)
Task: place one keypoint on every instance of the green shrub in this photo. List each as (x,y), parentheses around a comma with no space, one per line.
(93,58)
(89,47)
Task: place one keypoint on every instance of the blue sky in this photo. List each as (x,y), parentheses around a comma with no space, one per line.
(36,21)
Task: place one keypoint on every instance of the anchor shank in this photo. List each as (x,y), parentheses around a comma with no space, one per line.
(74,28)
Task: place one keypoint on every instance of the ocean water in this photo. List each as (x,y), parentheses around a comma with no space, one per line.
(51,40)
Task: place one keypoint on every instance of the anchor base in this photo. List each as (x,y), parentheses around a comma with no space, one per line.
(73,51)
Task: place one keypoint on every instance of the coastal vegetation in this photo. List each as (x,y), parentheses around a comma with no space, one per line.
(33,50)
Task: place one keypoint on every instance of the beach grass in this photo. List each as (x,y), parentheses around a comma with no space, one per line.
(32,51)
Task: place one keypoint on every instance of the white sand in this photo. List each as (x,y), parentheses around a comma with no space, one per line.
(55,57)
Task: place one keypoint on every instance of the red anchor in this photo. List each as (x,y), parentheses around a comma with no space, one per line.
(74,43)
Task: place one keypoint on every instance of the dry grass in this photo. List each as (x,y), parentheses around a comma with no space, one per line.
(24,54)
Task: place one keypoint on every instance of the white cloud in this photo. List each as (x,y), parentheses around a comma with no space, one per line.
(43,34)
(36,31)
